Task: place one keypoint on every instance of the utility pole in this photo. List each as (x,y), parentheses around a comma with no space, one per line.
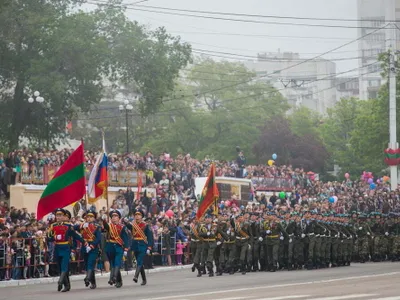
(391,47)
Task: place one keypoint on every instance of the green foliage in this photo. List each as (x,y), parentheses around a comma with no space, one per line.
(217,107)
(67,55)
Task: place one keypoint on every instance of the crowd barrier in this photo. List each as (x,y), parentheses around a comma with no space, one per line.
(129,177)
(24,258)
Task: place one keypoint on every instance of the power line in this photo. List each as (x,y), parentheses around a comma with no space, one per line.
(98,2)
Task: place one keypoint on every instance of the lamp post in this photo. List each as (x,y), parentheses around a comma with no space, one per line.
(126,107)
(37,98)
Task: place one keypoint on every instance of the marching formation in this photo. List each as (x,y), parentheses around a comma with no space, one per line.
(65,235)
(273,241)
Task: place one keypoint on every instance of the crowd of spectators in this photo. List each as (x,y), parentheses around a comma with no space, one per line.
(24,252)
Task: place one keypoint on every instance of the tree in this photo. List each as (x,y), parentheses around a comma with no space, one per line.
(219,106)
(68,55)
(305,151)
(304,121)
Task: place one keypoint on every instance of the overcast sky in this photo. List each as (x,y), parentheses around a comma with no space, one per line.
(214,35)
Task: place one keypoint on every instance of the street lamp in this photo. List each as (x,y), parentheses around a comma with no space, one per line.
(37,98)
(127,107)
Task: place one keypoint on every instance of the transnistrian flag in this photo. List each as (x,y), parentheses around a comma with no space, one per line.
(66,187)
(98,179)
(210,194)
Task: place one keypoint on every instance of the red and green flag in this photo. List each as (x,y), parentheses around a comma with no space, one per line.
(392,157)
(210,194)
(67,185)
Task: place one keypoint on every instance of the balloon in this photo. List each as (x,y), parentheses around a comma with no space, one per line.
(227,203)
(378,181)
(347,175)
(331,200)
(169,213)
(274,156)
(370,180)
(372,186)
(270,162)
(282,195)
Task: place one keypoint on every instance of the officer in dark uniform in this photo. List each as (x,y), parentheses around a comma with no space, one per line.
(142,243)
(61,232)
(116,246)
(91,233)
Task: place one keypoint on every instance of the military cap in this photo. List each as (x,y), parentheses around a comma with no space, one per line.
(208,216)
(68,213)
(139,212)
(90,213)
(59,211)
(115,212)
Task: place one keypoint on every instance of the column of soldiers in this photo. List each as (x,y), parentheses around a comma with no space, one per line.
(272,241)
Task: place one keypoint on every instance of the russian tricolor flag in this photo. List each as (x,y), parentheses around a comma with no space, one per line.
(98,179)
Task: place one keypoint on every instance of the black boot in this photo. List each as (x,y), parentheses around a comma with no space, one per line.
(61,281)
(137,272)
(210,269)
(143,273)
(67,284)
(87,280)
(194,267)
(255,265)
(243,267)
(199,271)
(92,279)
(118,277)
(111,280)
(204,269)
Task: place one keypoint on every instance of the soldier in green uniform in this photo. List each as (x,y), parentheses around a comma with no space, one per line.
(264,225)
(363,232)
(298,247)
(219,253)
(243,235)
(253,258)
(273,235)
(195,246)
(208,232)
(290,230)
(227,255)
(394,231)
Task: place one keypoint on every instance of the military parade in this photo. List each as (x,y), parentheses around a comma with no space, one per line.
(251,242)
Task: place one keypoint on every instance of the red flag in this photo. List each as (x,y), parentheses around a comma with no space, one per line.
(139,185)
(210,194)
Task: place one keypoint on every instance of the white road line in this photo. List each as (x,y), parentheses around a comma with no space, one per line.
(387,298)
(281,298)
(274,286)
(345,297)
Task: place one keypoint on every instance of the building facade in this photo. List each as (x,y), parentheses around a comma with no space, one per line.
(373,14)
(310,84)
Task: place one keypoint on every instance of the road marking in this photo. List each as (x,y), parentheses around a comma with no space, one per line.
(282,298)
(388,298)
(345,297)
(275,286)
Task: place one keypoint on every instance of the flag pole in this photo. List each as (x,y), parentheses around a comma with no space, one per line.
(86,199)
(106,183)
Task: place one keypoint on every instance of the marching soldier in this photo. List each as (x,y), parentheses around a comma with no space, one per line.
(142,243)
(195,246)
(274,234)
(91,233)
(61,233)
(254,243)
(290,230)
(208,232)
(116,246)
(243,235)
(228,250)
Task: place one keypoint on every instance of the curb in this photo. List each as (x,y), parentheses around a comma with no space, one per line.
(22,282)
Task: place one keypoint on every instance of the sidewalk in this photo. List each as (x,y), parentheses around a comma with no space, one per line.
(23,282)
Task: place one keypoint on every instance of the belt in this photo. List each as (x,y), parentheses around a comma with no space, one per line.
(291,234)
(273,236)
(138,239)
(241,238)
(317,235)
(209,240)
(193,240)
(62,243)
(89,241)
(310,234)
(229,242)
(322,235)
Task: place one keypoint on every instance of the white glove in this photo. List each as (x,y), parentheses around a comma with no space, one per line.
(104,217)
(356,236)
(359,228)
(290,240)
(125,253)
(303,235)
(351,236)
(148,252)
(260,239)
(58,237)
(387,233)
(341,241)
(86,225)
(268,231)
(88,249)
(72,255)
(228,232)
(368,233)
(126,219)
(282,238)
(249,247)
(219,243)
(208,233)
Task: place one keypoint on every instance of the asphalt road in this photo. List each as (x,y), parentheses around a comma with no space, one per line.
(360,281)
